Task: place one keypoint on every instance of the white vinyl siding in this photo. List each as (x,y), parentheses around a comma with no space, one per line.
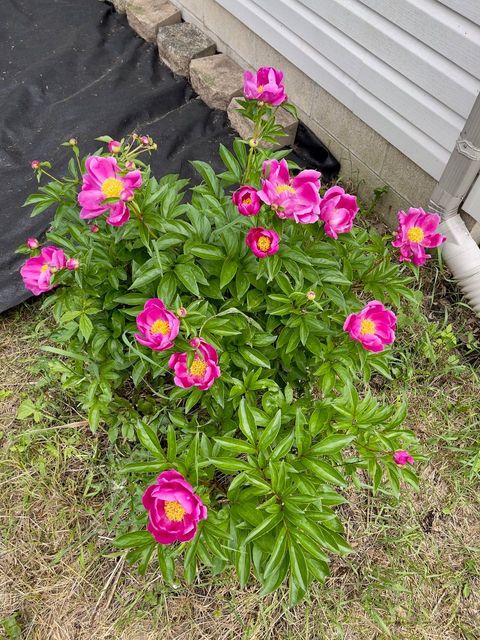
(410,69)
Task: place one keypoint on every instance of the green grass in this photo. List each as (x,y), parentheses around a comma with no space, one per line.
(414,573)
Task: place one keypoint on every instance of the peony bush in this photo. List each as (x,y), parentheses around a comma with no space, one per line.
(223,337)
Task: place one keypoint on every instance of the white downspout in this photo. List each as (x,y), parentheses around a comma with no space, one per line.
(460,252)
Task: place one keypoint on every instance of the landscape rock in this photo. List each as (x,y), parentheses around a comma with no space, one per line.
(244,127)
(179,44)
(120,5)
(147,16)
(216,79)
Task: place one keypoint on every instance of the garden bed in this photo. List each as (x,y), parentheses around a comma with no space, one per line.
(413,573)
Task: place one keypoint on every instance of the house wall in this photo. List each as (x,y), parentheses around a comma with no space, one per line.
(385,84)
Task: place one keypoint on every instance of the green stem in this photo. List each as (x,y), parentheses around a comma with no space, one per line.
(50,176)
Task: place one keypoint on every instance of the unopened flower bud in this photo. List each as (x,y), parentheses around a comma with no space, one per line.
(402,458)
(32,243)
(311,295)
(182,312)
(94,228)
(129,164)
(35,164)
(126,195)
(196,342)
(253,143)
(73,142)
(72,264)
(114,146)
(145,140)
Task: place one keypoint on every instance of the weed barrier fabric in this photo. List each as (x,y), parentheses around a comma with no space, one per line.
(74,68)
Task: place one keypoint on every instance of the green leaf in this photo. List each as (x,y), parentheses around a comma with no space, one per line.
(278,553)
(166,564)
(131,298)
(247,422)
(86,326)
(230,465)
(149,440)
(255,357)
(146,278)
(190,561)
(324,471)
(133,539)
(271,431)
(232,444)
(186,275)
(229,269)
(208,174)
(242,564)
(171,443)
(145,467)
(298,566)
(264,527)
(207,252)
(331,444)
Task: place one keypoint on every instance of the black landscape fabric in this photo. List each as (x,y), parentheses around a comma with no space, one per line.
(74,68)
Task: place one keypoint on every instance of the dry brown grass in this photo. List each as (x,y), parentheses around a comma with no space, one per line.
(413,574)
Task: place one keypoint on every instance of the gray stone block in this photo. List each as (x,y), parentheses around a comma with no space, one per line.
(245,127)
(179,44)
(146,16)
(216,79)
(120,5)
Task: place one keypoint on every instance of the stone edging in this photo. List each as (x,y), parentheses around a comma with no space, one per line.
(188,52)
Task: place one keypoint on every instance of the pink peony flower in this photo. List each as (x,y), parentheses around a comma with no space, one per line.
(32,243)
(103,180)
(265,86)
(402,457)
(297,197)
(94,228)
(263,242)
(114,146)
(247,201)
(202,372)
(158,327)
(415,233)
(174,510)
(374,326)
(72,264)
(338,210)
(37,272)
(35,164)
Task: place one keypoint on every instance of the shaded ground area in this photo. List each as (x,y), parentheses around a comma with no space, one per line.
(74,68)
(414,573)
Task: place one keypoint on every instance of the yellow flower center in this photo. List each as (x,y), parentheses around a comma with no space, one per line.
(367,328)
(415,234)
(260,88)
(160,326)
(246,200)
(284,187)
(264,243)
(44,268)
(174,510)
(112,188)
(198,367)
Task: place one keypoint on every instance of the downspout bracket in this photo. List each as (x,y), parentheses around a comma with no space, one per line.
(466,148)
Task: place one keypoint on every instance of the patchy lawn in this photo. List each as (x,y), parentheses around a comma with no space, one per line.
(414,573)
